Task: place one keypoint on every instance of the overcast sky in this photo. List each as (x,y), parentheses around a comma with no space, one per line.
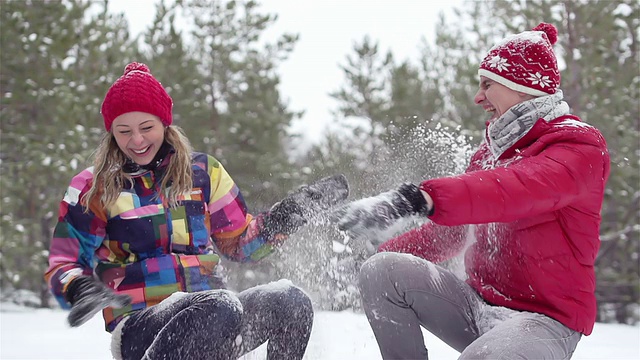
(328,29)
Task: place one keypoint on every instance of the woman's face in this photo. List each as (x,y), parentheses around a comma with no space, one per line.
(139,135)
(496,98)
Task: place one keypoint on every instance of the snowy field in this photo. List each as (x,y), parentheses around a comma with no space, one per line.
(44,334)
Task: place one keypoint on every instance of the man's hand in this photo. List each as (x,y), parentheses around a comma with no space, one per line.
(89,296)
(369,221)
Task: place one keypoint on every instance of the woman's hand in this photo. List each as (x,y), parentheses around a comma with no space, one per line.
(88,296)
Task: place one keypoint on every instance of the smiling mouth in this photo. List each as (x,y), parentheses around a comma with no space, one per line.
(491,110)
(142,151)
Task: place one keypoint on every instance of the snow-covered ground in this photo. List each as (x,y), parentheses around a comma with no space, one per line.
(44,334)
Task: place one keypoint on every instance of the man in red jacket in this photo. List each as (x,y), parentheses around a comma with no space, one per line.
(527,212)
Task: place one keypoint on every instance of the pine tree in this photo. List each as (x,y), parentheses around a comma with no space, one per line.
(51,53)
(171,59)
(365,94)
(247,122)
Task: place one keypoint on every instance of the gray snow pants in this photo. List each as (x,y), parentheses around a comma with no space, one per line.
(400,293)
(218,324)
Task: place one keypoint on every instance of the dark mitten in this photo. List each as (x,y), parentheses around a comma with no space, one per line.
(415,202)
(89,296)
(285,217)
(306,204)
(370,219)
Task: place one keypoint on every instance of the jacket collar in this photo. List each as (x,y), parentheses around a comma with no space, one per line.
(515,124)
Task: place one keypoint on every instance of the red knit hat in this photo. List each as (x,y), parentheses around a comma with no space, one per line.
(525,62)
(136,90)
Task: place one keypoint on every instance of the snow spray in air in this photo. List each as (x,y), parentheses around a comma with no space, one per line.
(322,260)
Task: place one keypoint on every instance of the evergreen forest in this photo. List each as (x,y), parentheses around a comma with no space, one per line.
(395,119)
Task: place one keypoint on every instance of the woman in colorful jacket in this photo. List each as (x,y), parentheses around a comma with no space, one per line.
(140,235)
(527,212)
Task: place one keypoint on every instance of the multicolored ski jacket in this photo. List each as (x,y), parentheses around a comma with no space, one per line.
(148,250)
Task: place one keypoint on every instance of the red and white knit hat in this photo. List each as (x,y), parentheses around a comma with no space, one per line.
(525,62)
(136,90)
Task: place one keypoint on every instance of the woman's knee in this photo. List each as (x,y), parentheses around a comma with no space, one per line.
(217,304)
(295,298)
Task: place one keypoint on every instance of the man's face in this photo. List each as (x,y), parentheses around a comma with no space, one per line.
(496,98)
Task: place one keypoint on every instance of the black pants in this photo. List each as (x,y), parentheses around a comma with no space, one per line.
(218,324)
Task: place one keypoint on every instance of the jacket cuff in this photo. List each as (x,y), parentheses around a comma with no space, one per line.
(73,292)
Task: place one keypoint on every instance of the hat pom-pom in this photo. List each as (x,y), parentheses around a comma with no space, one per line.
(136,66)
(550,30)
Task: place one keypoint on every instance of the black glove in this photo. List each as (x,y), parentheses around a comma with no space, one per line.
(414,201)
(366,220)
(305,204)
(285,217)
(89,296)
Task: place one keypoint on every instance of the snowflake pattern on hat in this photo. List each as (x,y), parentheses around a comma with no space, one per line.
(537,78)
(525,62)
(499,63)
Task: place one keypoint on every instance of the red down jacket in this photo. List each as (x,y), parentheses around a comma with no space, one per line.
(537,215)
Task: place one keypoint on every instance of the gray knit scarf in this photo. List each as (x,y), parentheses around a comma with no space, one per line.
(513,125)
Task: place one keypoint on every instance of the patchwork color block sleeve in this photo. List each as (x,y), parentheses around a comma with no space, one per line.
(76,237)
(237,234)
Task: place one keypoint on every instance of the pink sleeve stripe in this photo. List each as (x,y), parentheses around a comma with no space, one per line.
(64,246)
(141,212)
(225,200)
(63,251)
(79,181)
(56,260)
(253,231)
(236,216)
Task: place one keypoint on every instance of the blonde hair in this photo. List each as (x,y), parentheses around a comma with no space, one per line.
(109,177)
